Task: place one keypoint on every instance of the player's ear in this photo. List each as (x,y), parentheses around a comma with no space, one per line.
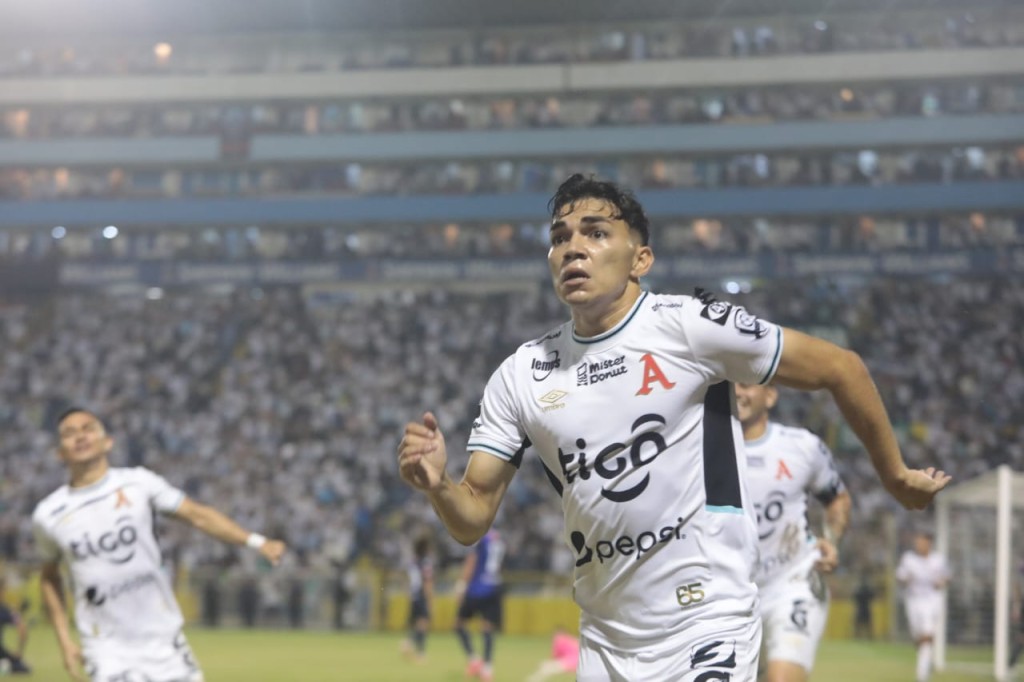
(771,396)
(643,259)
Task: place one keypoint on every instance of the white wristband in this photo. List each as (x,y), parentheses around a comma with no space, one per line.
(255,541)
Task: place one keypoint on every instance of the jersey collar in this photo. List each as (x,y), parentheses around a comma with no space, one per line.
(604,336)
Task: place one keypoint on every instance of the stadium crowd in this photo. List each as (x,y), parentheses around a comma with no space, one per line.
(835,168)
(715,105)
(286,410)
(294,243)
(672,39)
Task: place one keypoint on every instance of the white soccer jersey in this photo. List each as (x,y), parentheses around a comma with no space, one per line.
(635,429)
(922,575)
(104,534)
(784,466)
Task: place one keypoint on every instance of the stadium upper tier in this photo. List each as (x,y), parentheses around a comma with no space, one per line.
(670,38)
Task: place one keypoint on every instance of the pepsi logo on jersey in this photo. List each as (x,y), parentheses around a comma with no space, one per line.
(626,545)
(116,546)
(612,461)
(542,369)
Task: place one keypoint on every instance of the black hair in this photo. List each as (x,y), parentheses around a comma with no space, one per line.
(578,187)
(421,547)
(74,409)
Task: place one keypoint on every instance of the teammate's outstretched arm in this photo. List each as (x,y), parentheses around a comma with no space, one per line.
(467,508)
(52,589)
(810,363)
(217,525)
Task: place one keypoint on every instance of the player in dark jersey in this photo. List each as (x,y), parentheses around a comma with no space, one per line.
(421,595)
(481,596)
(12,662)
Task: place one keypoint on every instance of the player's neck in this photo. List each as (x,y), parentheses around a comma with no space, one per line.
(601,316)
(87,473)
(755,429)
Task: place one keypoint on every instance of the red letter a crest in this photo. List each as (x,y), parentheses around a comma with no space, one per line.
(652,374)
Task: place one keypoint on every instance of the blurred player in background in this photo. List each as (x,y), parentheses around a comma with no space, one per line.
(100,526)
(629,407)
(421,598)
(480,594)
(786,465)
(12,662)
(923,574)
(565,657)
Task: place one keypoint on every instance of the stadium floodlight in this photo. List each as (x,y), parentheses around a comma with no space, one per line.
(979,522)
(59,232)
(109,232)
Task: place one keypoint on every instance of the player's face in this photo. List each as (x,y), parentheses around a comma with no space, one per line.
(922,545)
(82,439)
(753,402)
(593,255)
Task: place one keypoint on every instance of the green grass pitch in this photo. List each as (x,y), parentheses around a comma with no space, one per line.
(301,656)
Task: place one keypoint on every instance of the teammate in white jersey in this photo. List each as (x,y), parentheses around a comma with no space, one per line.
(629,409)
(100,526)
(784,466)
(923,575)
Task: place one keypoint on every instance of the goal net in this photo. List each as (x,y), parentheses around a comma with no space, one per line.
(980,529)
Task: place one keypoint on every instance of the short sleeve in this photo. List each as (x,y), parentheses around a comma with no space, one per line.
(47,549)
(162,496)
(497,430)
(732,344)
(825,484)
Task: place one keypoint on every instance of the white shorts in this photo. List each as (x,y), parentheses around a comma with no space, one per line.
(150,660)
(795,612)
(923,615)
(728,655)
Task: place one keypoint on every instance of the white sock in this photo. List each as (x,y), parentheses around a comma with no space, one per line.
(924,662)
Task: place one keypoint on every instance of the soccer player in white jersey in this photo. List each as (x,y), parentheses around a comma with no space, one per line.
(784,466)
(923,575)
(629,408)
(100,525)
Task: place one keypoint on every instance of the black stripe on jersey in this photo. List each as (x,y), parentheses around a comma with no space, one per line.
(517,459)
(721,474)
(555,483)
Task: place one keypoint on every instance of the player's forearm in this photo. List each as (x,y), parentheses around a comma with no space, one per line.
(22,640)
(53,602)
(217,525)
(837,516)
(857,398)
(466,515)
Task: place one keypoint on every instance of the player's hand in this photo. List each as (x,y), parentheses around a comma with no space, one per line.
(829,556)
(422,455)
(272,551)
(73,662)
(916,487)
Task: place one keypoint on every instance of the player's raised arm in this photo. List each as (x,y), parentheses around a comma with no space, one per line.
(810,363)
(466,508)
(219,526)
(53,600)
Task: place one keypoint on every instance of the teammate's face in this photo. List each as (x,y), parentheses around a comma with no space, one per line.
(753,402)
(922,545)
(593,255)
(82,439)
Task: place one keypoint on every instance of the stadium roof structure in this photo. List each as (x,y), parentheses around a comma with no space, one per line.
(133,18)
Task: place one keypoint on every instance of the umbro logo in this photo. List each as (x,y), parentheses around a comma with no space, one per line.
(553,400)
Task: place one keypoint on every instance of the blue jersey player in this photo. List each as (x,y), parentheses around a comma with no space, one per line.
(481,596)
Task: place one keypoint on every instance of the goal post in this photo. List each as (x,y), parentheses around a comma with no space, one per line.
(977,533)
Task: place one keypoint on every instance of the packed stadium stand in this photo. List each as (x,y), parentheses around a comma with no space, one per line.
(259,254)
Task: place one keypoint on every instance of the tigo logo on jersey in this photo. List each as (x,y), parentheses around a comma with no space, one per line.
(612,461)
(590,373)
(542,369)
(748,324)
(116,546)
